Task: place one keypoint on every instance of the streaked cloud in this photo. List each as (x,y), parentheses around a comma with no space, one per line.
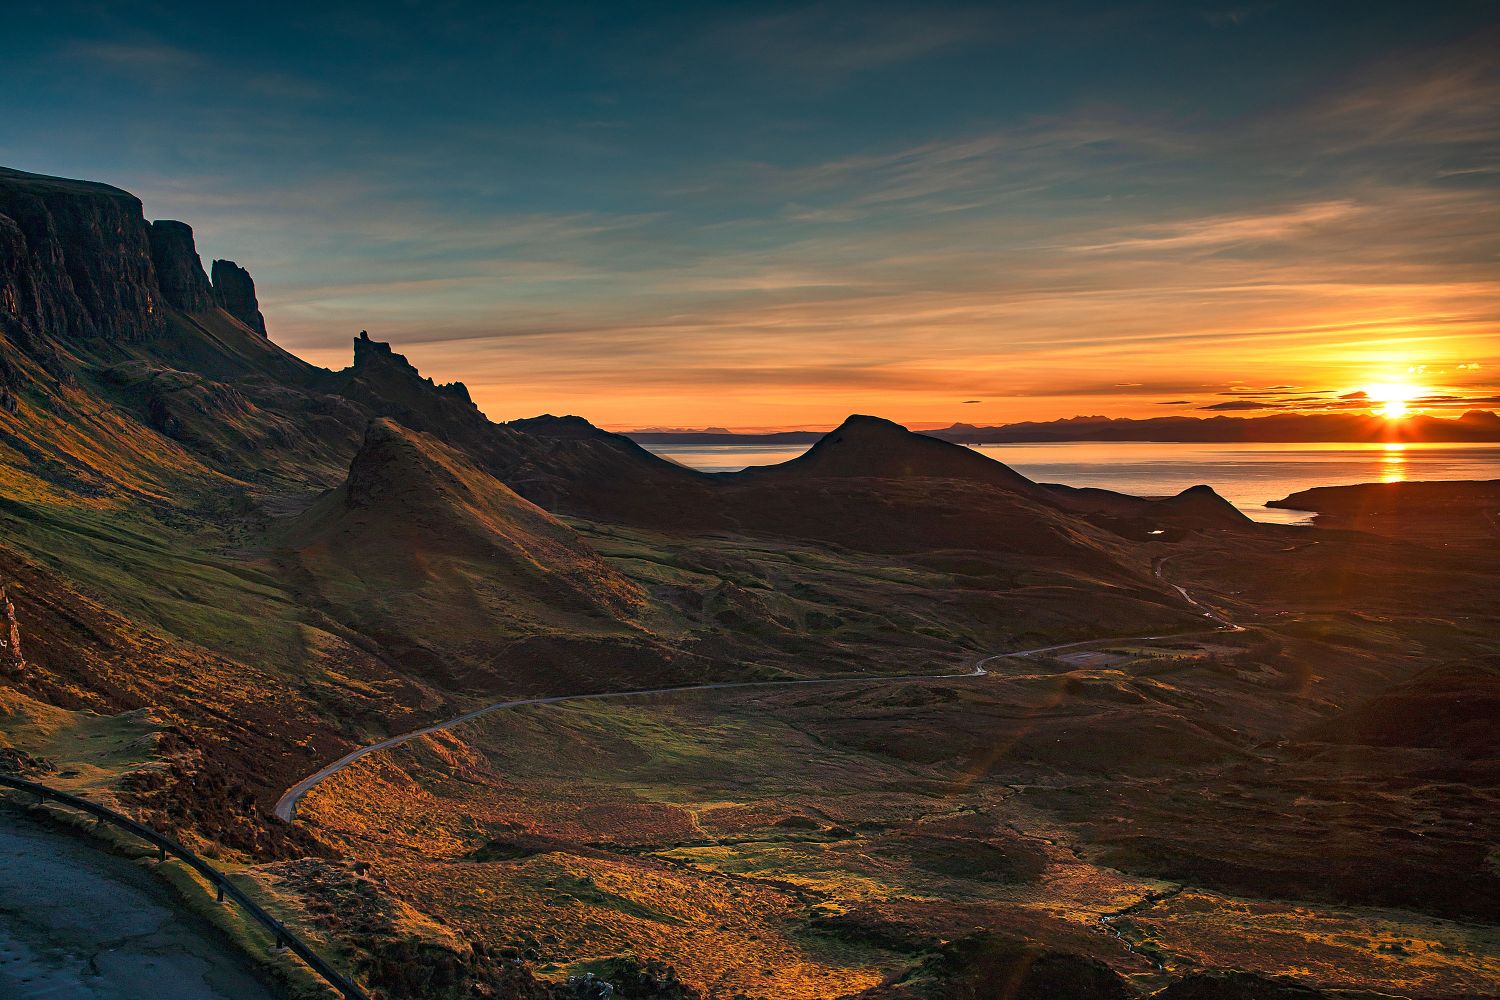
(705,214)
(1217,231)
(828,41)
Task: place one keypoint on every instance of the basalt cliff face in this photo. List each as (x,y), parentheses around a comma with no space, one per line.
(234,292)
(179,269)
(79,261)
(82,265)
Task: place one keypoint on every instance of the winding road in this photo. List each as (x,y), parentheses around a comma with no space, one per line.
(286,806)
(1225,624)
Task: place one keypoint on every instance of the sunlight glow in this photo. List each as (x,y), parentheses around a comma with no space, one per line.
(1393,398)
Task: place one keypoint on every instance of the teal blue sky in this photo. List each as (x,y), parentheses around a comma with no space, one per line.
(774,214)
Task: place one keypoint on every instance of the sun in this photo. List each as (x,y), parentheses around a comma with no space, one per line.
(1393,398)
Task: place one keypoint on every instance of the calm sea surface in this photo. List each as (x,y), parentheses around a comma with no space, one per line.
(1245,474)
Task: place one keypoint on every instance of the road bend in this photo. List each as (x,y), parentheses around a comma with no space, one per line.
(286,806)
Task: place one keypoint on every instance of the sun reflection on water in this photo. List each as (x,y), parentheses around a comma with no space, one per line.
(1393,463)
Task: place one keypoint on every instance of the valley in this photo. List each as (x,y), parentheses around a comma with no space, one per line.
(513,709)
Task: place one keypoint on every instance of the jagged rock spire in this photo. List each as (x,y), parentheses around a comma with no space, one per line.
(11,660)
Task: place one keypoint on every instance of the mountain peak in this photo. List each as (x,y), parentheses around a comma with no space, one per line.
(1204,503)
(866,425)
(429,536)
(873,447)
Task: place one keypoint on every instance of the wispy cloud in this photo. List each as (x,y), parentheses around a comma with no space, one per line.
(1444,96)
(828,42)
(827,207)
(1227,230)
(150,58)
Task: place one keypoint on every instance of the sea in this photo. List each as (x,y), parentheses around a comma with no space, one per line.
(1247,475)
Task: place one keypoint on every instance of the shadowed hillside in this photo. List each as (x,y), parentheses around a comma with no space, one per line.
(232,572)
(872,448)
(445,563)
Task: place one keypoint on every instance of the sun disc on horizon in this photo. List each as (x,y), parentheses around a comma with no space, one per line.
(1393,398)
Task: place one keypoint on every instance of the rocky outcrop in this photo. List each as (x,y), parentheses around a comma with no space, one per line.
(390,386)
(374,358)
(75,260)
(179,269)
(625,977)
(12,663)
(78,259)
(234,291)
(563,464)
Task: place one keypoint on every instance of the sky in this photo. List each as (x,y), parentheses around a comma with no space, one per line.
(770,215)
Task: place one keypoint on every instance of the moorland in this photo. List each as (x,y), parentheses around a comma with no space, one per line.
(917,727)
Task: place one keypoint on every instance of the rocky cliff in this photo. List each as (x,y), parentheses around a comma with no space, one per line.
(179,269)
(235,294)
(79,260)
(82,266)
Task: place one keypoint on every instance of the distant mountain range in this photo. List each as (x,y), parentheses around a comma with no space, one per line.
(1475,425)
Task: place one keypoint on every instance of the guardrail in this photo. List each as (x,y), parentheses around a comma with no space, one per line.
(165,845)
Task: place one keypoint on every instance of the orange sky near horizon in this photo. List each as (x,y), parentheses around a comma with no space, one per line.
(1059,357)
(693,215)
(983,308)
